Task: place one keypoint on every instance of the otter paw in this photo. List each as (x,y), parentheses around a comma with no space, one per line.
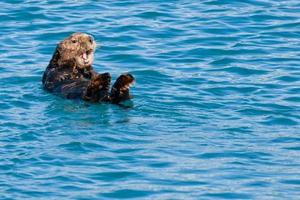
(104,88)
(100,81)
(120,89)
(106,79)
(98,89)
(63,77)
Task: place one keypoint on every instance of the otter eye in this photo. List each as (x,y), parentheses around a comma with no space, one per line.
(91,39)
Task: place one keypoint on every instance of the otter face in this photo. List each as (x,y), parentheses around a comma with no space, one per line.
(77,49)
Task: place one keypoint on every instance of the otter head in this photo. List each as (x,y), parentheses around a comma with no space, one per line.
(76,50)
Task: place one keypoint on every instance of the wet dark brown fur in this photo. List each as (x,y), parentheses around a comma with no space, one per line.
(70,73)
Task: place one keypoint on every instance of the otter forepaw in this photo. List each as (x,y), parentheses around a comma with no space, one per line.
(120,89)
(63,77)
(98,89)
(105,85)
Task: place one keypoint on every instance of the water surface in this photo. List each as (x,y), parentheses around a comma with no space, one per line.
(216,108)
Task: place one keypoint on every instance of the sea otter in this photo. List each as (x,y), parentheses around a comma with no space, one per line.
(70,73)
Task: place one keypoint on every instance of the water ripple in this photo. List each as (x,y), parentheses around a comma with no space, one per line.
(215,114)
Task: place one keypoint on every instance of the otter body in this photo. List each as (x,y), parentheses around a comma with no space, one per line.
(70,73)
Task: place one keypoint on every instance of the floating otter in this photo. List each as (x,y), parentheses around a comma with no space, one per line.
(70,73)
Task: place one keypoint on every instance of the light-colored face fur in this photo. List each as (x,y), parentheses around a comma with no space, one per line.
(78,50)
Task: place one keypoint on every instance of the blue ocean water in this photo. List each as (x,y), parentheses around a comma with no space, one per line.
(216,108)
